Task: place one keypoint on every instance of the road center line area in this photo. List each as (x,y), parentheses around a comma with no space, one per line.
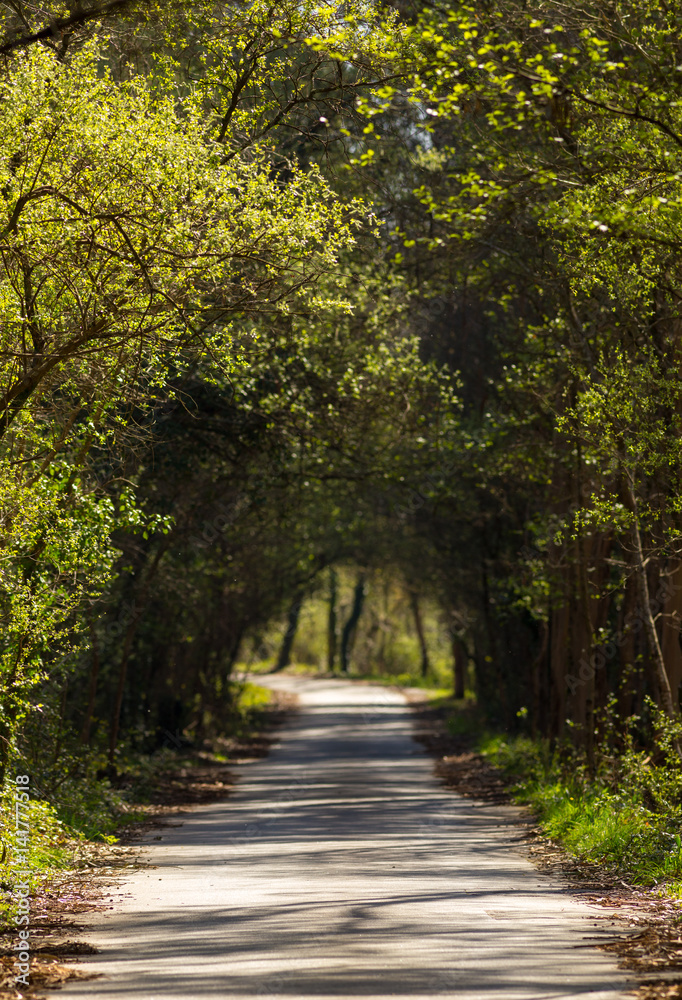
(340,868)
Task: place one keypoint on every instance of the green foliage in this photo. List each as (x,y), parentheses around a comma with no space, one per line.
(52,848)
(133,250)
(142,238)
(321,285)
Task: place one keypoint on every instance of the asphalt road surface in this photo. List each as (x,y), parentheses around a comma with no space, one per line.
(340,868)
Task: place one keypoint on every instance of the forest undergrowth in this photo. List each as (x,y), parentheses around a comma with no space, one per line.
(87,822)
(617,804)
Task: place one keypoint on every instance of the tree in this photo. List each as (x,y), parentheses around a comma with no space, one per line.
(543,147)
(129,249)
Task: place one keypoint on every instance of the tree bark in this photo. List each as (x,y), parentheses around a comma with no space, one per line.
(559,664)
(670,638)
(351,624)
(92,690)
(460,657)
(127,646)
(639,567)
(60,727)
(331,621)
(284,657)
(419,626)
(120,689)
(630,689)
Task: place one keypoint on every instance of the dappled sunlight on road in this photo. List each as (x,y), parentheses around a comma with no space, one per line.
(339,868)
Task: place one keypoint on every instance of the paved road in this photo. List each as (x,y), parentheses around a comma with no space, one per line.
(340,868)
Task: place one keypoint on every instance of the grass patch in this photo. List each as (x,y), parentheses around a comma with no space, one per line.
(51,850)
(623,809)
(251,698)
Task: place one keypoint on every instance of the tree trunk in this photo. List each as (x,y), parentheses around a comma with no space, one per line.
(583,646)
(284,657)
(559,664)
(60,727)
(331,621)
(630,693)
(670,600)
(350,626)
(127,645)
(538,709)
(94,674)
(460,656)
(419,625)
(120,689)
(639,566)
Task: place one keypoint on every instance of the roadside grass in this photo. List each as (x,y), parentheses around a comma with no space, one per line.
(250,700)
(433,686)
(621,809)
(52,850)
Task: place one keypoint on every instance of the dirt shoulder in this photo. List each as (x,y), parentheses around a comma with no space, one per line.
(651,946)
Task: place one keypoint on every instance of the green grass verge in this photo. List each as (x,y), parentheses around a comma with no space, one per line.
(623,810)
